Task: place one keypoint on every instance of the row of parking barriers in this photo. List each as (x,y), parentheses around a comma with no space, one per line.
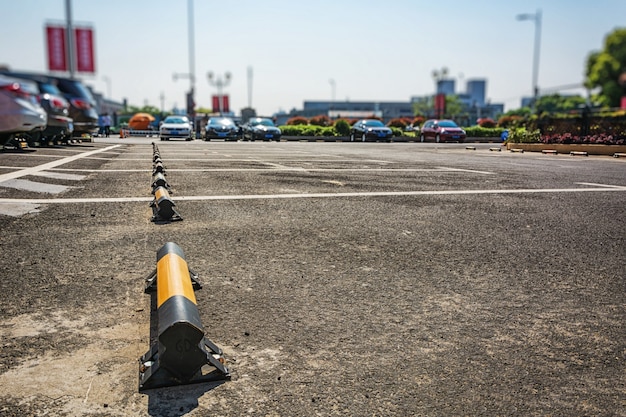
(163,207)
(179,352)
(125,133)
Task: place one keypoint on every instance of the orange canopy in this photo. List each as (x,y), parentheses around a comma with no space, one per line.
(140,121)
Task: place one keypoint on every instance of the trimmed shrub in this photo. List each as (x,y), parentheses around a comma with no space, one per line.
(483,132)
(398,122)
(298,120)
(321,120)
(509,121)
(521,135)
(291,130)
(328,131)
(418,121)
(342,127)
(311,130)
(397,132)
(486,122)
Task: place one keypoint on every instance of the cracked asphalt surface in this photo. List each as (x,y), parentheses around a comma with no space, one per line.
(443,282)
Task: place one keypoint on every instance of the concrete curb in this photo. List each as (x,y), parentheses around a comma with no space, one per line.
(569,148)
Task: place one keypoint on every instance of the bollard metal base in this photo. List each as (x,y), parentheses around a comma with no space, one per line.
(151,375)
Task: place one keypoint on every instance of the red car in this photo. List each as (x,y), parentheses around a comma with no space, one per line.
(442,131)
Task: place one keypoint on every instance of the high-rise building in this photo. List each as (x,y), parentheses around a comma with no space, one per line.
(446,86)
(476,90)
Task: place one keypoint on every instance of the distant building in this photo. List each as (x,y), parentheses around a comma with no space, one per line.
(476,90)
(473,100)
(446,86)
(385,110)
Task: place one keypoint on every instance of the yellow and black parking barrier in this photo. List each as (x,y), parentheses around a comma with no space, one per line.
(179,352)
(158,167)
(158,180)
(163,207)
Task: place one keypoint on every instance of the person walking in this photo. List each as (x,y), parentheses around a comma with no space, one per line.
(106,121)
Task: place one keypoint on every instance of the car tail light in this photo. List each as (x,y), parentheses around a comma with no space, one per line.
(79,103)
(57,103)
(16,90)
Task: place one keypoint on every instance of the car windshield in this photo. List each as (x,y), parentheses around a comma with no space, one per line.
(175,120)
(221,121)
(447,123)
(264,122)
(50,89)
(374,123)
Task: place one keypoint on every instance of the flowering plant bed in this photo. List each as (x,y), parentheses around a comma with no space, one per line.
(568,138)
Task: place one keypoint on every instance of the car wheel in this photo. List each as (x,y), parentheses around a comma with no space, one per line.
(351,136)
(363,138)
(437,138)
(422,137)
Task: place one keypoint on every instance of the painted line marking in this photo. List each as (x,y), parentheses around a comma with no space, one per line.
(49,165)
(314,195)
(60,176)
(593,184)
(39,187)
(466,170)
(289,169)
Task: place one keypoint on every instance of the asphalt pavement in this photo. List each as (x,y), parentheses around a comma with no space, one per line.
(387,279)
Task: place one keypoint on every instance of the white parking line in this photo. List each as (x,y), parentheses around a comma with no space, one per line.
(593,184)
(50,165)
(616,188)
(38,187)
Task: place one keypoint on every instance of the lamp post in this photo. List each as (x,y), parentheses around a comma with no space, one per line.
(107,81)
(535,17)
(220,83)
(333,87)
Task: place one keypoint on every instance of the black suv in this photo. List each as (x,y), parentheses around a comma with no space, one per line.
(82,103)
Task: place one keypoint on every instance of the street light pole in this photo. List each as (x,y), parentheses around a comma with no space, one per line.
(107,80)
(220,83)
(332,97)
(536,18)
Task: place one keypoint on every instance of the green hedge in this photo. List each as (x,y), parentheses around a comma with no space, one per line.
(483,132)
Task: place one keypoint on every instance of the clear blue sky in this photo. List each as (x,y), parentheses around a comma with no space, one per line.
(373,50)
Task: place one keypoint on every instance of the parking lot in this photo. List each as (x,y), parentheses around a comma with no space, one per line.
(361,279)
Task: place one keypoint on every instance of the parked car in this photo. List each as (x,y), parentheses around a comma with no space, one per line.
(442,131)
(59,126)
(221,128)
(367,129)
(260,128)
(176,127)
(21,116)
(82,109)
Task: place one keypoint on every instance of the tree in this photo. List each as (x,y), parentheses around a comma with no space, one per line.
(454,107)
(145,109)
(426,107)
(556,103)
(605,67)
(423,107)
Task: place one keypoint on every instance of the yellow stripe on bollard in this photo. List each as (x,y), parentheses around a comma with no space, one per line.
(174,279)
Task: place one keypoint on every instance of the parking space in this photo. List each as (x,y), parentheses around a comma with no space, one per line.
(339,278)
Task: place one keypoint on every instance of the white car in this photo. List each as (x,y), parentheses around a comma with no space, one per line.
(176,127)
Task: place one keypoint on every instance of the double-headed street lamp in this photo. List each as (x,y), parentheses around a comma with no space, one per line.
(220,83)
(535,17)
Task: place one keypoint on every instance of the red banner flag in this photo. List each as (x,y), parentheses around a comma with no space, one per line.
(85,57)
(57,51)
(220,103)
